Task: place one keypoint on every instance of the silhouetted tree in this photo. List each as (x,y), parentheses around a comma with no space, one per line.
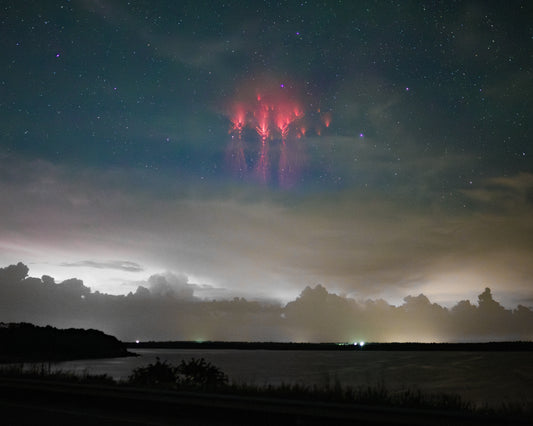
(27,342)
(157,374)
(199,372)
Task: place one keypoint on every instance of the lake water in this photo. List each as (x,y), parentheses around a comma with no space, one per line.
(481,377)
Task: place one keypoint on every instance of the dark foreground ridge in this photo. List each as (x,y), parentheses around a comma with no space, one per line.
(28,402)
(280,346)
(23,342)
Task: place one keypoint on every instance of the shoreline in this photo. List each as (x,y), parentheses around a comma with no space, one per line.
(291,346)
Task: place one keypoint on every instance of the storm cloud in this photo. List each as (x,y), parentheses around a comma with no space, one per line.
(367,245)
(169,310)
(192,153)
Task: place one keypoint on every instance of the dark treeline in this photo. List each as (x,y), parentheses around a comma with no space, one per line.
(279,346)
(23,342)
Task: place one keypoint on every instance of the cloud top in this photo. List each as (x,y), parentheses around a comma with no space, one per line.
(167,309)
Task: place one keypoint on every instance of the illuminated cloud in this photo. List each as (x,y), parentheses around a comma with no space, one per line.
(357,243)
(245,155)
(168,310)
(115,264)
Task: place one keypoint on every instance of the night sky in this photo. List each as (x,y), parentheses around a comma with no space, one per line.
(254,148)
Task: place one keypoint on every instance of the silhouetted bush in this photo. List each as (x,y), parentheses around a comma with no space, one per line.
(200,373)
(160,374)
(196,373)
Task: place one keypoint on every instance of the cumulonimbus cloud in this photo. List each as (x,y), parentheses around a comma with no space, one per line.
(168,310)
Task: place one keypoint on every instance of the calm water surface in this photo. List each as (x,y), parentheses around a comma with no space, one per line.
(482,377)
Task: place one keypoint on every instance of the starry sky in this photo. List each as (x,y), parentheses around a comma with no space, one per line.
(252,148)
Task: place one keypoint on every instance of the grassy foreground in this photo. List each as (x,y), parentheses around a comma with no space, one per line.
(200,376)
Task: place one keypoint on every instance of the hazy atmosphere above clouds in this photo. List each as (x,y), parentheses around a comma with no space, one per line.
(255,149)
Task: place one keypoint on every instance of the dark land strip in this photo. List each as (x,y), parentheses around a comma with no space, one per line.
(29,402)
(24,342)
(289,346)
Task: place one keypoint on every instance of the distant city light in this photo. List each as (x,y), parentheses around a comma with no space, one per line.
(137,341)
(361,344)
